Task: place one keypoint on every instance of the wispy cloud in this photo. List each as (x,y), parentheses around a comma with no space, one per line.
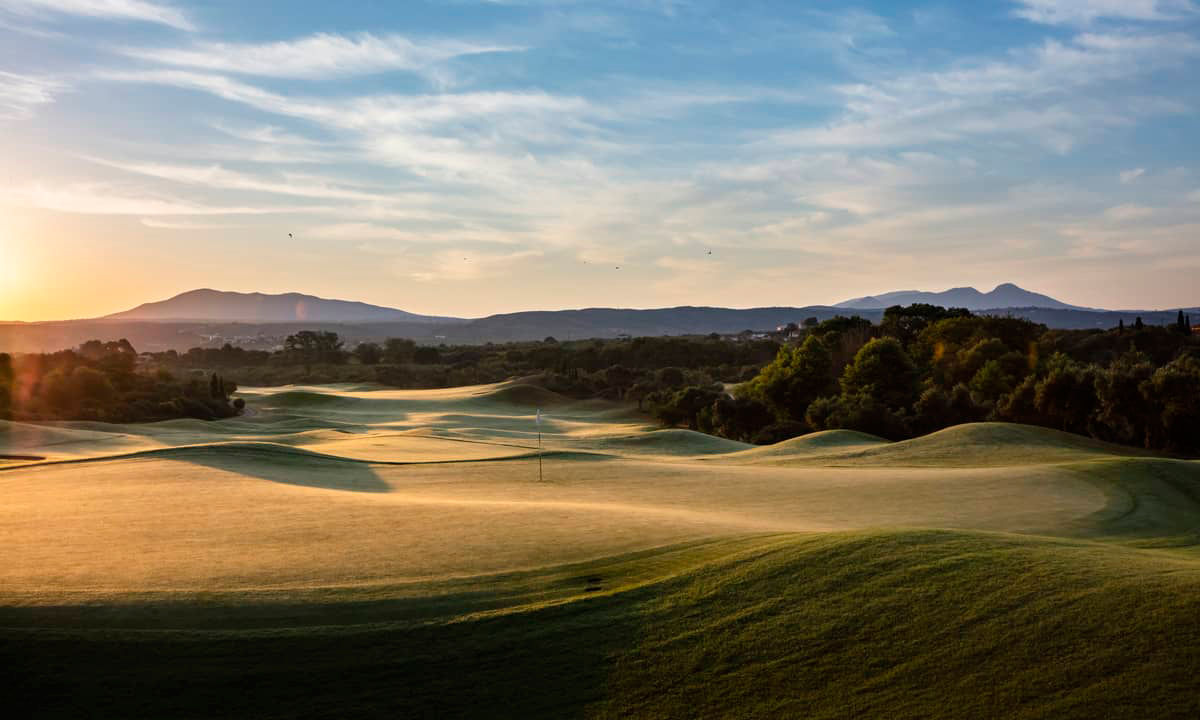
(387,111)
(216,176)
(470,137)
(1085,12)
(1039,93)
(20,94)
(1131,176)
(323,55)
(1125,213)
(130,10)
(105,199)
(187,225)
(465,264)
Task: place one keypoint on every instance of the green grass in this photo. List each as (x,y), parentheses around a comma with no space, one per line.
(355,552)
(915,624)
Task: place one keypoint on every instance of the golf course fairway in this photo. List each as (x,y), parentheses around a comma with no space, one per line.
(356,551)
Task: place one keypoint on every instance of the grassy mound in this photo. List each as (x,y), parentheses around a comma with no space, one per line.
(673,441)
(984,444)
(922,624)
(818,443)
(1152,502)
(526,395)
(302,399)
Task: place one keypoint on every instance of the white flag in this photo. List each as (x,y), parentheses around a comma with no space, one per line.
(539,416)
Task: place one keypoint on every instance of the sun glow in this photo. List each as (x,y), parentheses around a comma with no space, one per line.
(14,269)
(10,257)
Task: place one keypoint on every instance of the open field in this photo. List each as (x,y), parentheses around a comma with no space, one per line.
(356,551)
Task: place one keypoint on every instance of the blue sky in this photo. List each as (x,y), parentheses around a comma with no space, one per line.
(469,157)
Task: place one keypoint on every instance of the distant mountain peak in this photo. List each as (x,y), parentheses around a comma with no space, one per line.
(206,304)
(1005,295)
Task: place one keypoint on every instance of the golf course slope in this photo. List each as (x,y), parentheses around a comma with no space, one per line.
(362,552)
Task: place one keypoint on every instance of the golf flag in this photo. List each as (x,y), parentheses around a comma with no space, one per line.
(538,419)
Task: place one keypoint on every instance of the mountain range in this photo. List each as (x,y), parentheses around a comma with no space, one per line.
(220,306)
(254,320)
(1005,295)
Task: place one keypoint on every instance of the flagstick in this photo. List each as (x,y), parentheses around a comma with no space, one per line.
(539,453)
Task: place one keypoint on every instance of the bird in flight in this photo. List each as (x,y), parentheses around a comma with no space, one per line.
(289,234)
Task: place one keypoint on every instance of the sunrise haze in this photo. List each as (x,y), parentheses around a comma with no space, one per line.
(479,157)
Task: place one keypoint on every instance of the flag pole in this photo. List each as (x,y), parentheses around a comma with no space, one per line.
(539,428)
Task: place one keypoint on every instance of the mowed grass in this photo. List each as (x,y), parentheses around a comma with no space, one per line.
(900,625)
(351,551)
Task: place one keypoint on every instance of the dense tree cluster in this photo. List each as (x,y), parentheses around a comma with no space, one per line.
(925,368)
(101,381)
(630,368)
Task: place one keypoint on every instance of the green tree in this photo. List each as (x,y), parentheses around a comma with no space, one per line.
(91,387)
(1174,391)
(427,355)
(1066,396)
(1020,405)
(687,406)
(857,411)
(310,347)
(796,377)
(738,418)
(619,378)
(882,371)
(990,384)
(671,377)
(906,323)
(938,408)
(368,353)
(399,351)
(1124,411)
(57,390)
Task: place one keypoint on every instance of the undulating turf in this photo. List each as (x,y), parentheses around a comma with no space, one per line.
(352,551)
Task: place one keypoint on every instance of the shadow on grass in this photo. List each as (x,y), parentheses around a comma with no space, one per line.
(290,466)
(553,662)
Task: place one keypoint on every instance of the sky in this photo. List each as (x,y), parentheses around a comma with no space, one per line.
(468,157)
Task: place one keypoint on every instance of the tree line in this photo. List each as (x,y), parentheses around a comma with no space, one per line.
(925,368)
(102,381)
(582,368)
